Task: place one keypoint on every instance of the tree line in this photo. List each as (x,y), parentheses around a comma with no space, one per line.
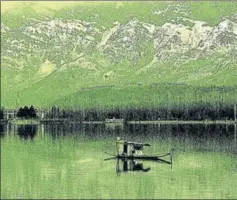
(202,111)
(26,112)
(23,113)
(1,114)
(186,112)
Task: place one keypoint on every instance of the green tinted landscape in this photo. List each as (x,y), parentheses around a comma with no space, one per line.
(52,163)
(80,75)
(82,56)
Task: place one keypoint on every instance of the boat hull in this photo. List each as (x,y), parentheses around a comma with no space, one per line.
(143,157)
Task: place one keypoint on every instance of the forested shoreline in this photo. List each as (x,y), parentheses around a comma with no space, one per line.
(194,112)
(184,112)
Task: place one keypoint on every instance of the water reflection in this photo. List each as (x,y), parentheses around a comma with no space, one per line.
(136,165)
(27,131)
(203,137)
(195,131)
(130,165)
(1,130)
(73,167)
(235,136)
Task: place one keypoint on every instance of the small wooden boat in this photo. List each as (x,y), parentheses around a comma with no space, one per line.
(151,158)
(127,150)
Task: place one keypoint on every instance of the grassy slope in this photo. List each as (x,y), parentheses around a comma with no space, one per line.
(147,96)
(63,88)
(149,88)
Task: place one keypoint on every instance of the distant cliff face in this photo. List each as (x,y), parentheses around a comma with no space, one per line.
(91,53)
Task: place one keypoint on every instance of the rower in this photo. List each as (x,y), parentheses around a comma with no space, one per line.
(137,148)
(119,145)
(127,148)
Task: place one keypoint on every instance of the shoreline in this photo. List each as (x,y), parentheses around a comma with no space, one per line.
(38,121)
(184,122)
(24,121)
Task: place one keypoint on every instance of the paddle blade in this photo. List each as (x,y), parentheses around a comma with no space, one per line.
(111,158)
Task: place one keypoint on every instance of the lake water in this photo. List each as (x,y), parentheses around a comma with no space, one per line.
(67,161)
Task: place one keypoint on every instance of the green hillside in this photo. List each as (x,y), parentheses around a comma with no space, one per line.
(120,54)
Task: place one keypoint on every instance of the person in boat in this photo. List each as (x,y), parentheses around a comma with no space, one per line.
(137,149)
(127,148)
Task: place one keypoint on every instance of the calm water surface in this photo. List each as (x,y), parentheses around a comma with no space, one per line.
(67,161)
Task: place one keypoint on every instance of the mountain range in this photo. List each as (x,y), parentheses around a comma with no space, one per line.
(80,50)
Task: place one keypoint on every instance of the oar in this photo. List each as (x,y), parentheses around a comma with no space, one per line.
(148,145)
(109,154)
(162,161)
(163,155)
(111,158)
(171,157)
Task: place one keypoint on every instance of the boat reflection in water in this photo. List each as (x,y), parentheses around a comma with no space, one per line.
(130,166)
(130,157)
(137,165)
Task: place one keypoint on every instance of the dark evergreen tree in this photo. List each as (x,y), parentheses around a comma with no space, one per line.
(53,112)
(26,112)
(64,114)
(57,112)
(1,114)
(20,113)
(32,112)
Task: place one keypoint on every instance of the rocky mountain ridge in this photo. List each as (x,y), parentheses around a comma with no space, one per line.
(66,39)
(57,57)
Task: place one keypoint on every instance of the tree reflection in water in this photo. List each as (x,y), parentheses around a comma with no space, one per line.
(27,131)
(1,131)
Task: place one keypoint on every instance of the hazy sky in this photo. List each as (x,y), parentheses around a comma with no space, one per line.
(39,6)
